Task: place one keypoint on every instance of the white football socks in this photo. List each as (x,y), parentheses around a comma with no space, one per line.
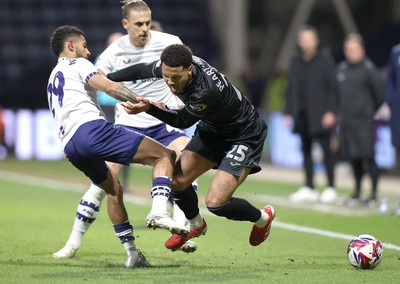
(86,214)
(263,219)
(160,195)
(179,216)
(159,205)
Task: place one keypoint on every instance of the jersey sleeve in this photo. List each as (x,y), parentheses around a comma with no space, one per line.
(137,71)
(86,69)
(376,86)
(179,118)
(198,106)
(105,61)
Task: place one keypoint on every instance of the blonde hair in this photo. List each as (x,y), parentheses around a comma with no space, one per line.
(133,5)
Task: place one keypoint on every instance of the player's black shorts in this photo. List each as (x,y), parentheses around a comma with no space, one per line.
(234,154)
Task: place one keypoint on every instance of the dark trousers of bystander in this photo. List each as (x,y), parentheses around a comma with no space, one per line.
(307,140)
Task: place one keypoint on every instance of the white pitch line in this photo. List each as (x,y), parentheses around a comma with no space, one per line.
(309,230)
(59,185)
(41,182)
(76,187)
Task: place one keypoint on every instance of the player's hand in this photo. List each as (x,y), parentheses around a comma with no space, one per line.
(135,108)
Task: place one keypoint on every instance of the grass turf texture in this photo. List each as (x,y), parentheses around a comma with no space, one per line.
(35,221)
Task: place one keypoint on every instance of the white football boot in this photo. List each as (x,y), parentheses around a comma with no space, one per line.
(164,221)
(137,259)
(66,252)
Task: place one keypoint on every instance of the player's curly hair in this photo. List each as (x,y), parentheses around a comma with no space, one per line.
(133,5)
(61,35)
(176,55)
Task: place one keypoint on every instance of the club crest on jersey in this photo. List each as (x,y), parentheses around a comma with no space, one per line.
(199,107)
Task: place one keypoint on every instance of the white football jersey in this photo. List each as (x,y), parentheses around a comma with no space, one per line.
(121,54)
(71,100)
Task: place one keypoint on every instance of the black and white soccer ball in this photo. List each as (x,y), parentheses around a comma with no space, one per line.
(364,252)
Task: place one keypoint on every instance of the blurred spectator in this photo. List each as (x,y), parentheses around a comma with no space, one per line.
(393,95)
(254,86)
(310,110)
(107,103)
(360,95)
(156,26)
(393,100)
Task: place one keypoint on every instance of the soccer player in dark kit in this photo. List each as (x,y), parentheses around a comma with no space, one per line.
(229,138)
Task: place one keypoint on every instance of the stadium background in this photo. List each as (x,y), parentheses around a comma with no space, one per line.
(231,34)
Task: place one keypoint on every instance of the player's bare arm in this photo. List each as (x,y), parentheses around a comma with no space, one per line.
(141,106)
(114,89)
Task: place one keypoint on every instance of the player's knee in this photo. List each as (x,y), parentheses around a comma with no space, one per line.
(169,154)
(216,201)
(114,167)
(115,190)
(160,156)
(180,182)
(179,185)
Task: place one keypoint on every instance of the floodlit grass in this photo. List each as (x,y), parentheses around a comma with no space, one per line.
(35,221)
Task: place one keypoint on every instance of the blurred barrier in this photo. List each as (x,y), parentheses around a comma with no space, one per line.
(31,135)
(285,147)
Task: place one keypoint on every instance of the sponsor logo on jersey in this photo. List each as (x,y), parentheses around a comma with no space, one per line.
(199,107)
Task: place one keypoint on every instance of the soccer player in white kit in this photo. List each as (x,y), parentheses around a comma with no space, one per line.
(140,45)
(88,140)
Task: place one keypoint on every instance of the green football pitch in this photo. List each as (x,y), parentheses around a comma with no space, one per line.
(38,201)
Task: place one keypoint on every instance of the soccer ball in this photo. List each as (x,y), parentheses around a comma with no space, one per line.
(364,252)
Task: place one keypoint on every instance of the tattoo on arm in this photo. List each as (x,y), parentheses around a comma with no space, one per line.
(124,94)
